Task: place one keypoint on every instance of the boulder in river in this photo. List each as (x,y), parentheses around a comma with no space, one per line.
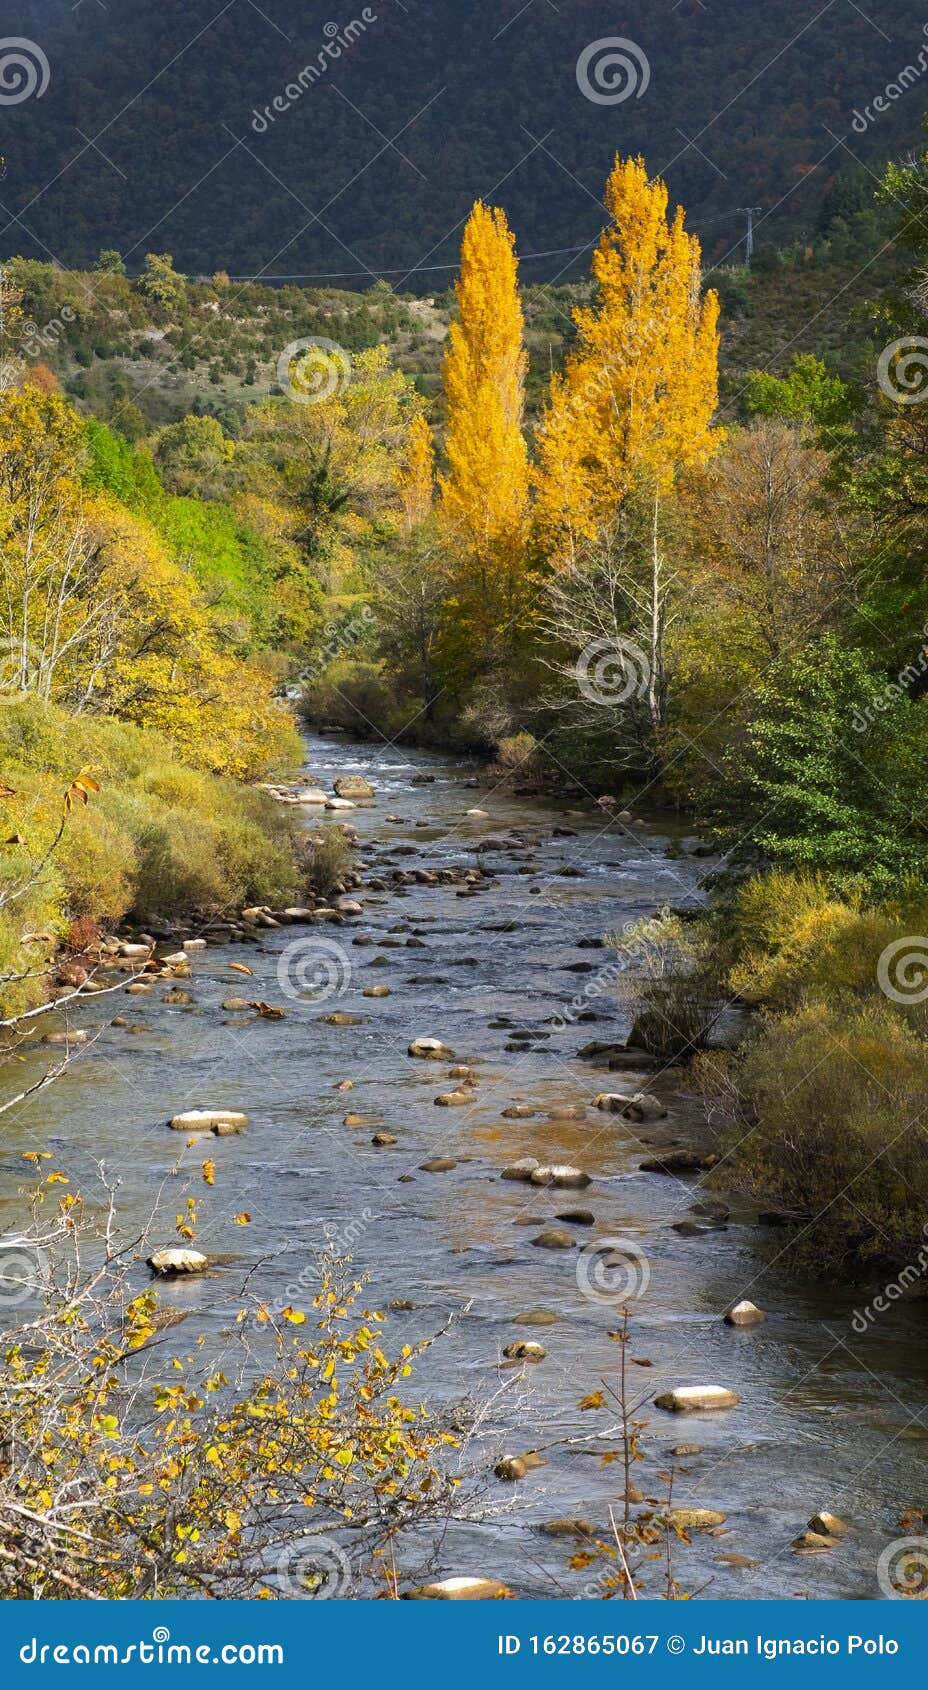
(694,1399)
(577,1217)
(340,804)
(525,1350)
(461,1590)
(644,1107)
(612,1102)
(384,1140)
(519,1112)
(536,1317)
(516,1466)
(693,1519)
(431,1050)
(438,1165)
(204,1120)
(521,1170)
(453,1099)
(177,1259)
(674,1162)
(561,1175)
(813,1543)
(827,1525)
(553,1238)
(353,786)
(376,992)
(745,1314)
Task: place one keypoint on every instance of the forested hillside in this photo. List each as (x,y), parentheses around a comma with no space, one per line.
(159,127)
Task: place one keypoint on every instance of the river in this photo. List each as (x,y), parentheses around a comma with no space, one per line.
(828,1418)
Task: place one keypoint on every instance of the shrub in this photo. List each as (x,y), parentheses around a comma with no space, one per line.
(833,1102)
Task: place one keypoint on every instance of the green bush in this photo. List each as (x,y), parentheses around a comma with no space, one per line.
(159,839)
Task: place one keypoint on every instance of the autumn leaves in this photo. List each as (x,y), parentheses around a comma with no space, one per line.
(632,406)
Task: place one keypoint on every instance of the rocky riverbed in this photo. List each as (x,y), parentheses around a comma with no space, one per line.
(424,1104)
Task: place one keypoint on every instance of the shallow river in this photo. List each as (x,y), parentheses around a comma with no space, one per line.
(828,1419)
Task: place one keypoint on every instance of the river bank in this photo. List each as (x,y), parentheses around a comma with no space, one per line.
(505,976)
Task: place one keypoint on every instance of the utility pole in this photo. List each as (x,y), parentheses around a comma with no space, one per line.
(750,212)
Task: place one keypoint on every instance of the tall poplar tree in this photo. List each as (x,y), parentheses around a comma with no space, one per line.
(484,495)
(637,395)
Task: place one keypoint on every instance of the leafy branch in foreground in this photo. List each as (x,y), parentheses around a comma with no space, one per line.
(130,1468)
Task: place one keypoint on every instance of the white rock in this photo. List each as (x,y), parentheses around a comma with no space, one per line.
(478,812)
(612,1102)
(176,959)
(430,1048)
(340,804)
(311,795)
(194,944)
(561,1174)
(175,1259)
(521,1170)
(745,1314)
(460,1590)
(689,1399)
(203,1120)
(127,949)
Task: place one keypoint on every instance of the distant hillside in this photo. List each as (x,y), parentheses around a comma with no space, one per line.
(215,349)
(146,137)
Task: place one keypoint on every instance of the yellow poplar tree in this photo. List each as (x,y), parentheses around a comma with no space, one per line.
(417,484)
(637,395)
(636,398)
(484,496)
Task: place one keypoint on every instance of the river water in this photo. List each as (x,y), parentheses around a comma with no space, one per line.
(828,1418)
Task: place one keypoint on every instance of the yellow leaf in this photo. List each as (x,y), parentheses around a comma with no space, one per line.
(244,1219)
(594,1400)
(295,1316)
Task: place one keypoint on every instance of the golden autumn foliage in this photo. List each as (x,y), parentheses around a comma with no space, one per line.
(95,614)
(637,396)
(417,487)
(484,495)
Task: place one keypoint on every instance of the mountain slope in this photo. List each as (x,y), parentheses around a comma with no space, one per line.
(147,137)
